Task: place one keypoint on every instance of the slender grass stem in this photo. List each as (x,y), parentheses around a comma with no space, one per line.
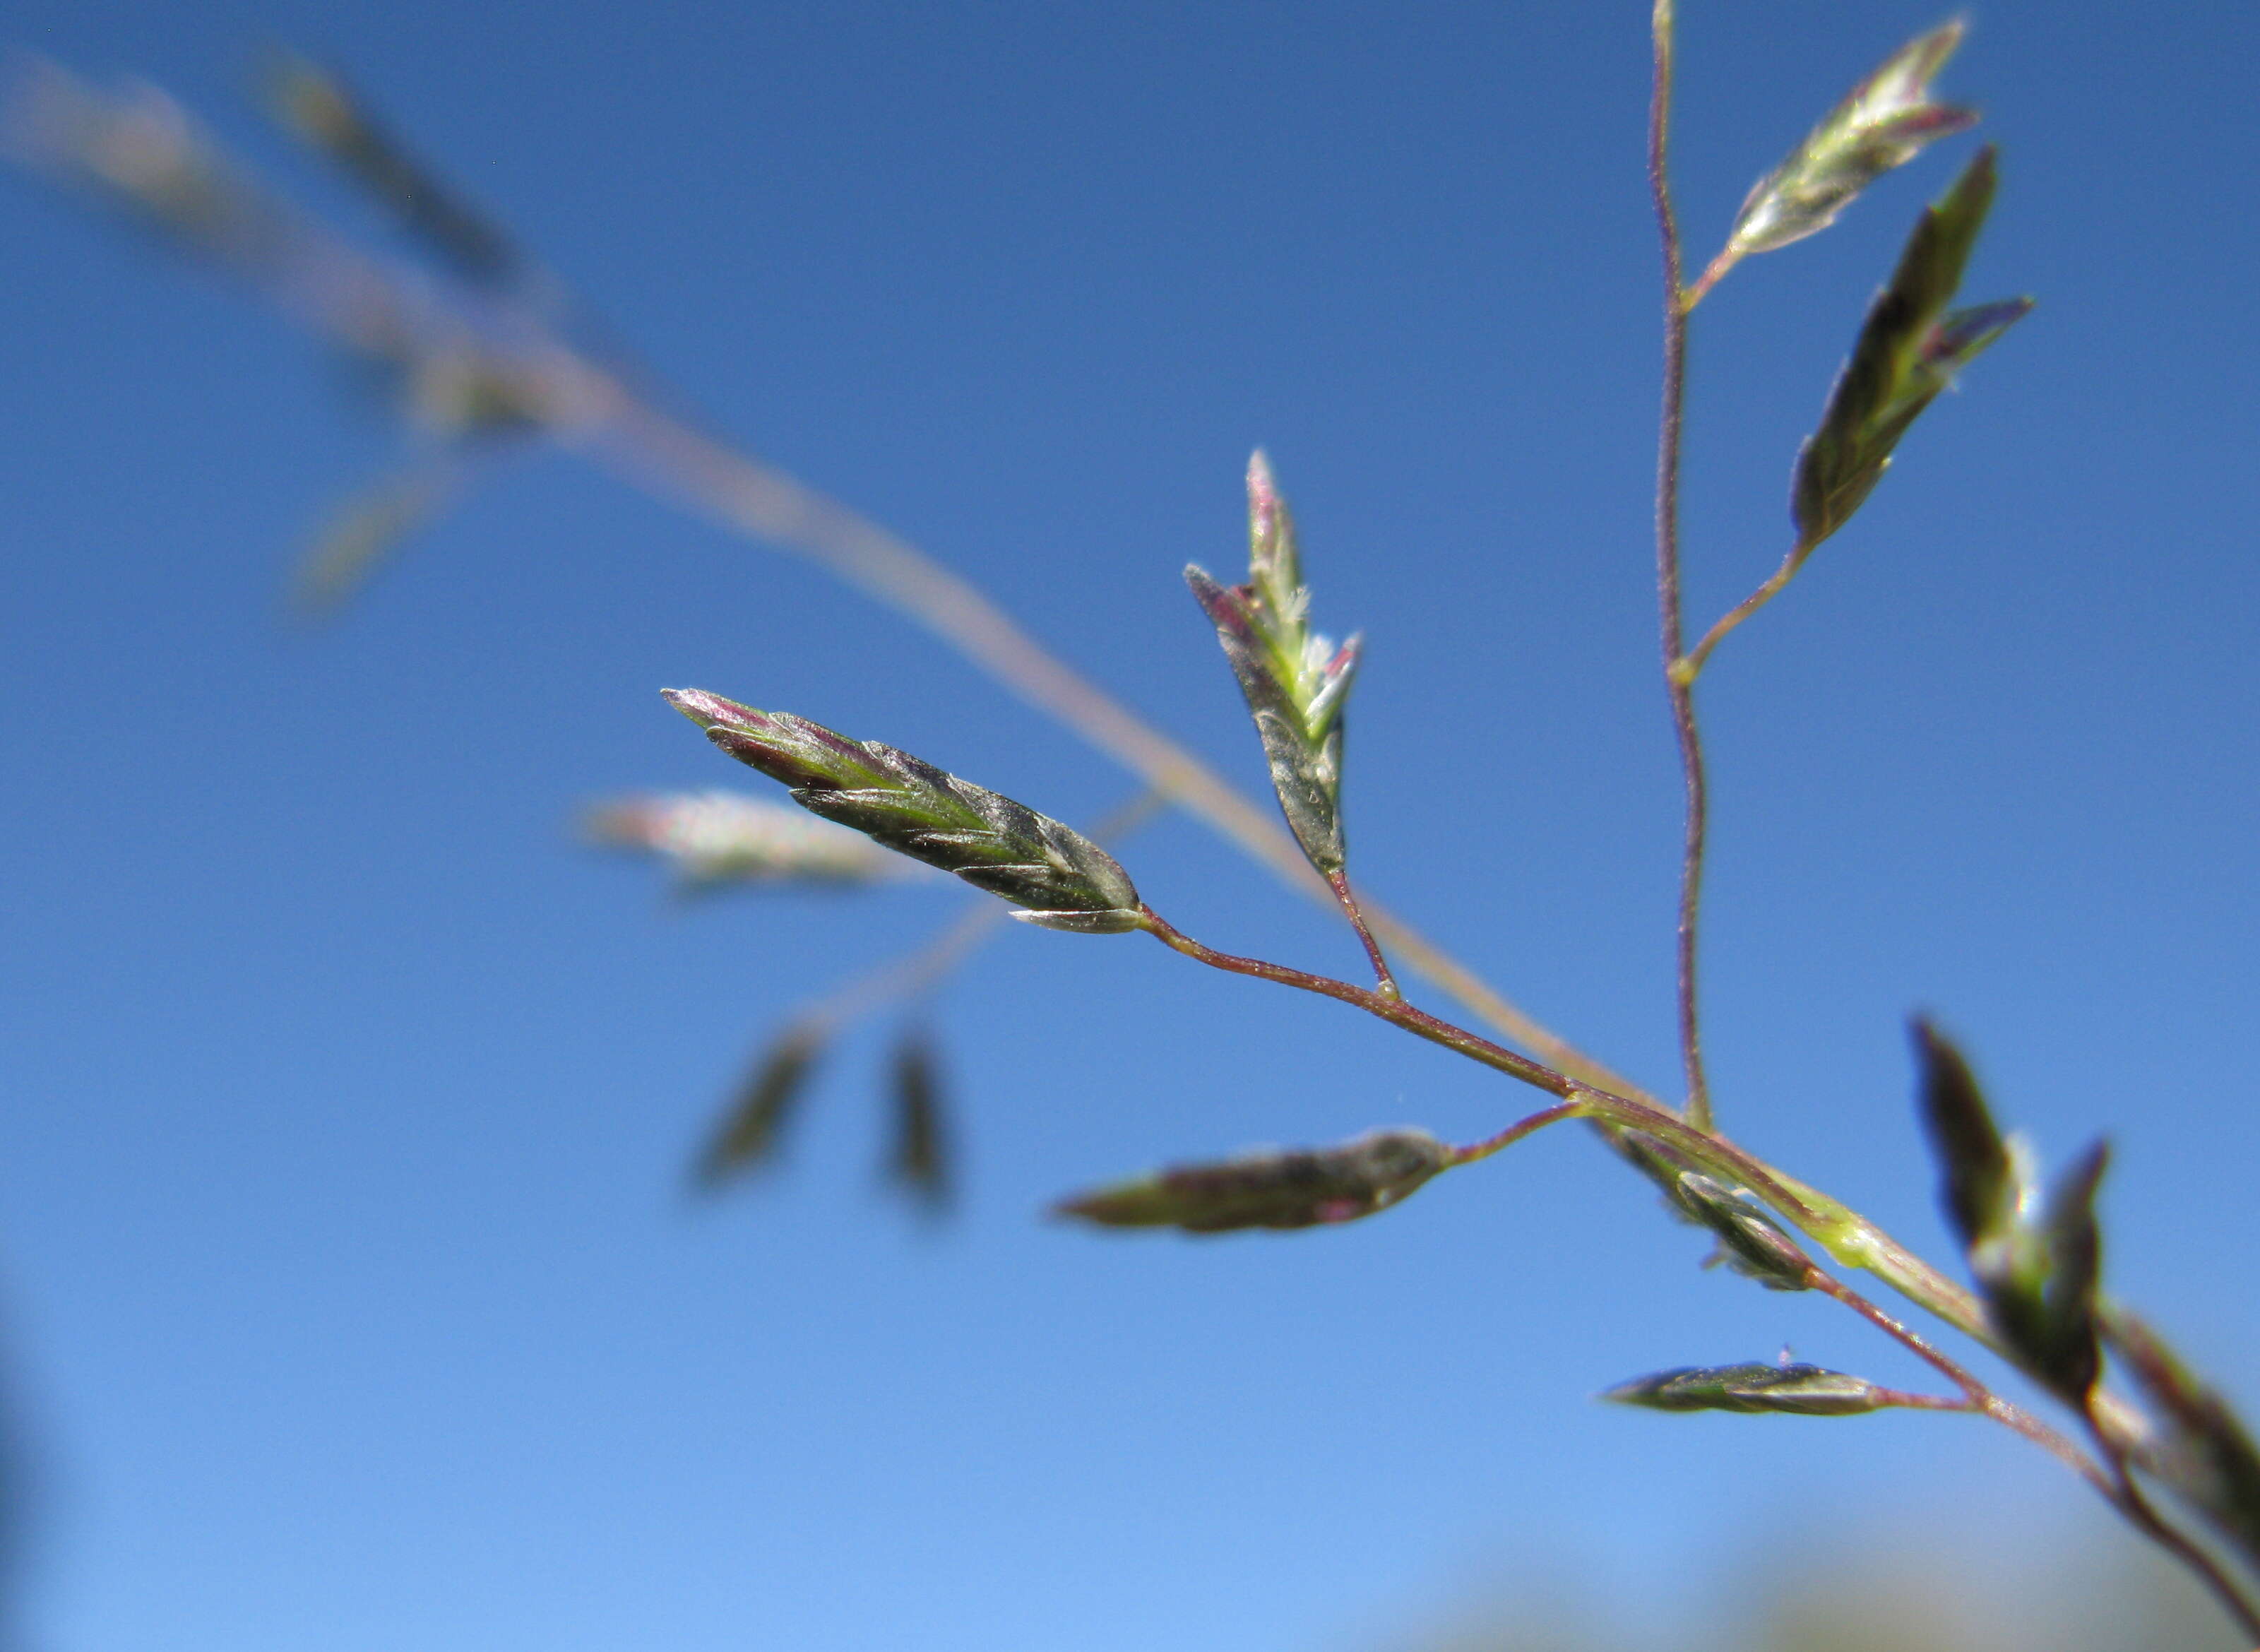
(1691,667)
(1384,982)
(1669,602)
(1395,1010)
(1710,277)
(1517,1131)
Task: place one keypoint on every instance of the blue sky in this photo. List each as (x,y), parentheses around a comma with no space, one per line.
(350,1295)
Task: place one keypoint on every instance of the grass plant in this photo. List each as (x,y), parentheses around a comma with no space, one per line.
(491,353)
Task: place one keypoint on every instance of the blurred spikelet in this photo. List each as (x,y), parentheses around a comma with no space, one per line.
(317,105)
(717,839)
(753,1125)
(919,1161)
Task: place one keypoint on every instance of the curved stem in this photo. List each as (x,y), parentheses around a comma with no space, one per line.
(1691,666)
(1669,604)
(1517,1131)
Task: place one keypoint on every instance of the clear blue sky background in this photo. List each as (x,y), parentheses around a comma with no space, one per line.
(351,1301)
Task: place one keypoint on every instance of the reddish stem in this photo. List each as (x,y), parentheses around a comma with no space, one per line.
(1384,982)
(1669,604)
